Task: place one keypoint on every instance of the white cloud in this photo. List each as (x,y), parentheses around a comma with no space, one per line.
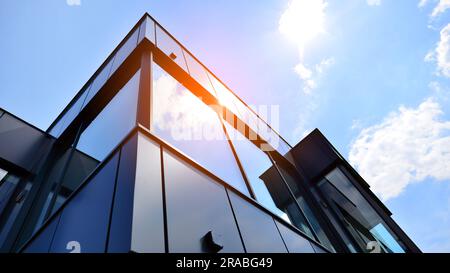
(443,52)
(422,3)
(73,2)
(408,146)
(301,22)
(310,76)
(429,57)
(304,72)
(324,64)
(440,8)
(373,2)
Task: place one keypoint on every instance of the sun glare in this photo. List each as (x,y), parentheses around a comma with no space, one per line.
(303,20)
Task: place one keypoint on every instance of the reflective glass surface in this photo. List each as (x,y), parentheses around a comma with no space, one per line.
(2,174)
(13,194)
(79,167)
(255,163)
(99,81)
(70,115)
(113,122)
(85,219)
(259,126)
(183,120)
(294,242)
(309,220)
(361,220)
(258,229)
(147,30)
(225,97)
(199,73)
(125,50)
(198,204)
(170,47)
(147,235)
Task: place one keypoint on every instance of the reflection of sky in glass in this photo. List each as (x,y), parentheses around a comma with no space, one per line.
(255,163)
(113,122)
(2,174)
(383,235)
(184,121)
(199,73)
(345,187)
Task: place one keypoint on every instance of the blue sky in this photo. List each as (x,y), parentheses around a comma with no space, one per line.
(375,79)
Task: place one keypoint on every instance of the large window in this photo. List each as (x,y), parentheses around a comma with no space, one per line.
(13,193)
(70,115)
(358,217)
(71,166)
(184,121)
(170,47)
(113,122)
(270,184)
(309,220)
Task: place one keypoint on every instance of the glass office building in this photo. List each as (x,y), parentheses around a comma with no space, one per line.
(156,154)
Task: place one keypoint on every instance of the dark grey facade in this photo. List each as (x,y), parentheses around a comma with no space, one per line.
(123,169)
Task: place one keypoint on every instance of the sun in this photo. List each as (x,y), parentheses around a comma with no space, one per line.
(303,20)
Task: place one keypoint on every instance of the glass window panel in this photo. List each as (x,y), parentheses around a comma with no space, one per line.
(170,47)
(229,100)
(194,201)
(363,221)
(258,230)
(147,30)
(198,72)
(255,163)
(183,120)
(10,189)
(294,242)
(224,96)
(70,115)
(272,137)
(113,122)
(2,174)
(7,188)
(125,50)
(99,81)
(267,134)
(147,234)
(292,179)
(80,166)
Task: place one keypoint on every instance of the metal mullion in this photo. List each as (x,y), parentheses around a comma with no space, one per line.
(111,210)
(143,111)
(164,200)
(241,167)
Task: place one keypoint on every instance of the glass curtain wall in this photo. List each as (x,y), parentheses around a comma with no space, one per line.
(72,163)
(357,215)
(184,121)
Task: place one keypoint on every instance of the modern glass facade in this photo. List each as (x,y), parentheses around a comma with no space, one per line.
(156,154)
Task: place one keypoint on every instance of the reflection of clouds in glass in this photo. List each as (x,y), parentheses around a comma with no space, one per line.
(3,173)
(73,2)
(185,117)
(178,110)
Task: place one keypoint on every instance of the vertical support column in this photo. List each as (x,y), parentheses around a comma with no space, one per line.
(145,90)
